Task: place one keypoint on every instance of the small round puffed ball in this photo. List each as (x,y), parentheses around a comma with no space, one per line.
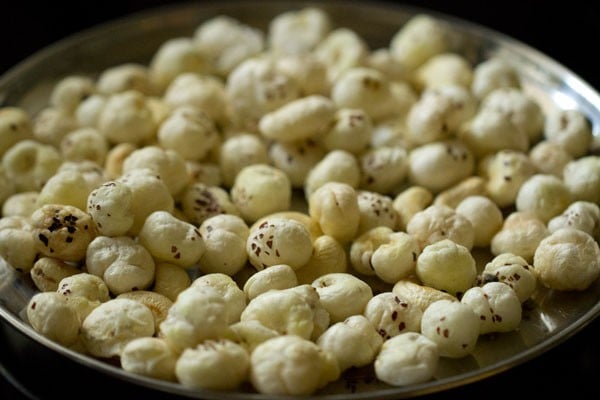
(444,69)
(204,93)
(290,365)
(239,151)
(497,305)
(550,157)
(109,327)
(453,326)
(342,294)
(521,233)
(149,356)
(15,125)
(321,318)
(437,166)
(568,259)
(335,206)
(582,215)
(51,315)
(506,171)
(419,295)
(582,178)
(67,187)
(395,259)
(62,231)
(51,125)
(259,190)
(170,280)
(29,164)
(296,158)
(208,173)
(341,50)
(484,215)
(214,364)
(447,266)
(88,111)
(18,244)
(328,256)
(353,342)
(123,77)
(308,71)
(570,129)
(69,91)
(513,271)
(492,74)
(406,359)
(383,169)
(48,272)
(439,222)
(471,186)
(375,209)
(84,144)
(126,117)
(110,206)
(350,130)
(546,196)
(250,333)
(175,56)
(156,302)
(279,241)
(392,315)
(200,201)
(364,246)
(336,166)
(235,298)
(409,202)
(277,277)
(298,31)
(225,252)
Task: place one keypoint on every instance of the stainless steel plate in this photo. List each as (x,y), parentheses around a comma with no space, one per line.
(550,317)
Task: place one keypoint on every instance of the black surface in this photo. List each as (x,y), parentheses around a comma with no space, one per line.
(565,31)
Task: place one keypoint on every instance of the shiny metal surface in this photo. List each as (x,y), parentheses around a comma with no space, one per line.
(549,318)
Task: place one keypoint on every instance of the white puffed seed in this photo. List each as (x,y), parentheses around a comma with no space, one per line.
(342,295)
(582,215)
(353,342)
(251,333)
(174,57)
(296,158)
(200,201)
(151,357)
(170,280)
(453,326)
(328,256)
(85,292)
(382,60)
(67,187)
(351,130)
(110,206)
(204,172)
(520,234)
(375,210)
(419,295)
(276,277)
(407,359)
(126,117)
(84,144)
(297,32)
(239,151)
(69,91)
(18,245)
(334,206)
(235,298)
(492,74)
(51,315)
(409,202)
(337,166)
(506,171)
(384,169)
(52,124)
(570,129)
(395,259)
(497,305)
(471,186)
(546,196)
(225,252)
(123,77)
(48,272)
(20,204)
(447,266)
(213,364)
(513,271)
(15,125)
(308,71)
(582,178)
(392,315)
(29,164)
(568,259)
(364,246)
(444,69)
(156,302)
(550,157)
(341,50)
(438,222)
(484,215)
(88,111)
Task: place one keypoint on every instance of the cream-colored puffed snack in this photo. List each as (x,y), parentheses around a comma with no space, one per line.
(395,259)
(383,169)
(392,315)
(296,158)
(88,111)
(471,186)
(334,206)
(279,241)
(199,313)
(337,166)
(84,144)
(150,194)
(69,91)
(342,295)
(297,32)
(62,231)
(126,117)
(149,356)
(568,259)
(520,234)
(259,190)
(582,178)
(170,280)
(321,318)
(110,206)
(582,215)
(18,242)
(484,215)
(86,292)
(419,39)
(497,305)
(228,222)
(570,129)
(189,132)
(409,202)
(375,210)
(225,252)
(513,271)
(255,87)
(453,326)
(235,298)
(51,125)
(328,256)
(29,164)
(364,246)
(291,365)
(92,173)
(284,311)
(174,57)
(225,42)
(47,272)
(251,333)
(276,277)
(239,151)
(170,239)
(298,216)
(444,69)
(382,60)
(341,50)
(7,186)
(308,71)
(200,201)
(505,172)
(493,73)
(351,130)
(419,295)
(20,204)
(298,119)
(439,165)
(353,342)
(51,315)
(214,364)
(123,77)
(123,263)
(113,164)
(156,302)
(549,157)
(447,266)
(438,222)
(67,187)
(406,359)
(439,113)
(519,107)
(109,327)
(546,196)
(204,172)
(15,125)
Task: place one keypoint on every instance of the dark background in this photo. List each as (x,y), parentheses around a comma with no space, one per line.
(565,31)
